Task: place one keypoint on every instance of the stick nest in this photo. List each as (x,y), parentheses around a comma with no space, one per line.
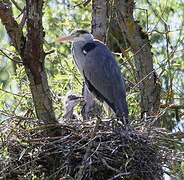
(86,151)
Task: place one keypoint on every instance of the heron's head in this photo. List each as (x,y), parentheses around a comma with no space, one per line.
(76,35)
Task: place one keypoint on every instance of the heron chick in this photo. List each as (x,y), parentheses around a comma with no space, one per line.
(69,103)
(100,70)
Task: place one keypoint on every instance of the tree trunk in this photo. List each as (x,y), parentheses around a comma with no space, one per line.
(33,58)
(140,45)
(31,51)
(99,20)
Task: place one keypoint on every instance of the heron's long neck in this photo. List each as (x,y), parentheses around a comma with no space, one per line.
(78,55)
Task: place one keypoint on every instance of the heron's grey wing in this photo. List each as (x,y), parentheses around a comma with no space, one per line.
(103,76)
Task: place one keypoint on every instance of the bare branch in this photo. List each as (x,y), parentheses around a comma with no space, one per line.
(23,20)
(172,106)
(49,52)
(9,57)
(84,3)
(16,5)
(19,95)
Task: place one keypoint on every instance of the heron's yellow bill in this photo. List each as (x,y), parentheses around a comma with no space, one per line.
(64,38)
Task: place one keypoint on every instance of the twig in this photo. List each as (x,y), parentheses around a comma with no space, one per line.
(22,96)
(10,57)
(15,116)
(16,5)
(84,3)
(147,76)
(23,20)
(172,106)
(110,167)
(49,52)
(46,126)
(118,175)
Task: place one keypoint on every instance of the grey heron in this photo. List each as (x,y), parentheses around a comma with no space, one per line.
(100,70)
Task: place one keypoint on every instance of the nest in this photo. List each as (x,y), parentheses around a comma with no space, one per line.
(87,151)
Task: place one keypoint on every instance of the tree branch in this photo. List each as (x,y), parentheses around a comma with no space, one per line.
(11,25)
(16,5)
(172,106)
(17,61)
